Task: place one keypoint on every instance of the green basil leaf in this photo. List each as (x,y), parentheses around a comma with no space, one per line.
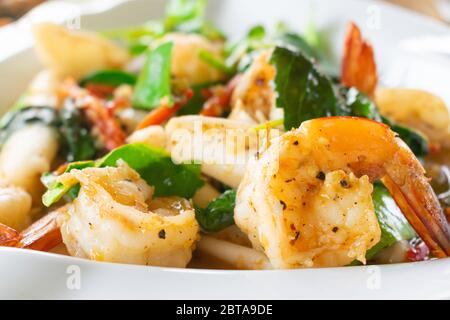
(219,214)
(154,82)
(303,92)
(56,190)
(112,78)
(156,167)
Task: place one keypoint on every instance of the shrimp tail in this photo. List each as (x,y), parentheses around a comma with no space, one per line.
(8,236)
(419,204)
(359,68)
(43,235)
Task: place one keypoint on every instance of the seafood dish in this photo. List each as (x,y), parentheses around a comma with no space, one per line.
(170,145)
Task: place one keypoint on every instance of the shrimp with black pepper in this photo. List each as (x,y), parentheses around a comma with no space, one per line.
(115,219)
(307,200)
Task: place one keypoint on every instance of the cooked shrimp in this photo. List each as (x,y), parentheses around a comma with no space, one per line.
(418,109)
(186,61)
(254,96)
(15,207)
(114,220)
(23,166)
(306,202)
(221,146)
(74,54)
(359,68)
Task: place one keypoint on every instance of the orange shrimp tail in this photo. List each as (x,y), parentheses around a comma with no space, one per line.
(359,68)
(43,235)
(418,202)
(8,236)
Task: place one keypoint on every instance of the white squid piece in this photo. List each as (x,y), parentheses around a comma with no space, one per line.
(223,147)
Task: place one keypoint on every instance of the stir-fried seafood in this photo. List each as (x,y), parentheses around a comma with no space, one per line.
(307,200)
(159,143)
(113,219)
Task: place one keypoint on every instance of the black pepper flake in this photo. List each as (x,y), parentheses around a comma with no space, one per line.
(344,184)
(283,204)
(162,234)
(335,229)
(321,176)
(294,240)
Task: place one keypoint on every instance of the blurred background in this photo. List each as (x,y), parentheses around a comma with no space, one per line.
(11,10)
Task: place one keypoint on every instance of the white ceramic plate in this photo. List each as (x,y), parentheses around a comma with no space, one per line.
(26,274)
